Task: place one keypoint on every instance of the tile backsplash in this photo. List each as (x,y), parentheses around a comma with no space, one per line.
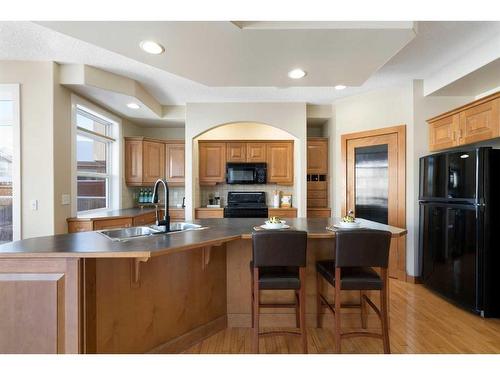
(176,193)
(207,192)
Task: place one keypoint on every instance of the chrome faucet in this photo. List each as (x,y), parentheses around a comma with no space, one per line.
(166,216)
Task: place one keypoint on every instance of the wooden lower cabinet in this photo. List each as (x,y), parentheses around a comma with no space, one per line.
(208,213)
(145,219)
(112,223)
(42,315)
(283,212)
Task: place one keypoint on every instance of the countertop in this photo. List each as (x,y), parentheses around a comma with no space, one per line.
(121,213)
(217,231)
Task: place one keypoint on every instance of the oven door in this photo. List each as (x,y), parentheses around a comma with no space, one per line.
(239,173)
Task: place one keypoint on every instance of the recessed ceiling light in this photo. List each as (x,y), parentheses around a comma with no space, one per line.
(133,106)
(296,73)
(152,47)
(340,87)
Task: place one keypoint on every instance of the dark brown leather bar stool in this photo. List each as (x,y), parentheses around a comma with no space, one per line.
(279,261)
(356,252)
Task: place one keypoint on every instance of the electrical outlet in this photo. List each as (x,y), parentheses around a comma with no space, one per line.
(65,199)
(34,204)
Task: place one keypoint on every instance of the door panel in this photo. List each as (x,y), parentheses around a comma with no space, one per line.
(153,161)
(443,133)
(375,181)
(280,163)
(256,152)
(236,152)
(317,156)
(212,162)
(175,163)
(479,123)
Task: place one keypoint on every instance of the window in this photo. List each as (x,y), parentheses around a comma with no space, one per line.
(10,225)
(96,143)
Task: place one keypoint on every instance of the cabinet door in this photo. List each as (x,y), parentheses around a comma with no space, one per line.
(256,152)
(133,162)
(317,156)
(175,163)
(236,152)
(442,133)
(212,162)
(280,163)
(479,123)
(153,163)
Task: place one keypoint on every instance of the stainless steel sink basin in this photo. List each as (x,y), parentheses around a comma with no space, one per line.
(145,231)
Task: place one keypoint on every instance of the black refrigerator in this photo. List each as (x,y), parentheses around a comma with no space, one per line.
(459,232)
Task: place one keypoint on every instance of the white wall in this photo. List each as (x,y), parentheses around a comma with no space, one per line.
(37,167)
(290,117)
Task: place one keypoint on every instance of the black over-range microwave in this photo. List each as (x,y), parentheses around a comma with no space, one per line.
(246,173)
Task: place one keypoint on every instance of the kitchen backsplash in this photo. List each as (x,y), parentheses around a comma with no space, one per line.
(176,193)
(223,189)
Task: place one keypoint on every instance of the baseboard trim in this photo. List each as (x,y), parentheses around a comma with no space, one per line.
(181,343)
(413,279)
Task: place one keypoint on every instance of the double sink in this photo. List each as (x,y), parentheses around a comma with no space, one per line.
(124,234)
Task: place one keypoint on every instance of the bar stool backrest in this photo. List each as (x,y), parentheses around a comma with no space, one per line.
(286,248)
(362,248)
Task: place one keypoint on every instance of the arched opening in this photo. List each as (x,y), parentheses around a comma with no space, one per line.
(243,131)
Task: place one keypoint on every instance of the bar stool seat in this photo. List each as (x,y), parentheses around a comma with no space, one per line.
(353,278)
(278,278)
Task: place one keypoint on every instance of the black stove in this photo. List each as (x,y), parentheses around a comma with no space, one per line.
(246,204)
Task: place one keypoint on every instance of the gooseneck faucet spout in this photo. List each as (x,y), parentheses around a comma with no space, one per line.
(166,215)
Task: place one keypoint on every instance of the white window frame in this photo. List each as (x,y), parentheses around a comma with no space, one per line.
(114,170)
(12,92)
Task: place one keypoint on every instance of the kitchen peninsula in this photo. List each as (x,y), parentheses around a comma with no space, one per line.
(83,293)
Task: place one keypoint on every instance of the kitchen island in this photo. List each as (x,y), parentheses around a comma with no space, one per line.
(83,293)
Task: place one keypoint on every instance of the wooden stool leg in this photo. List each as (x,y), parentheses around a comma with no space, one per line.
(253,296)
(384,313)
(302,307)
(362,303)
(297,308)
(338,333)
(319,305)
(256,293)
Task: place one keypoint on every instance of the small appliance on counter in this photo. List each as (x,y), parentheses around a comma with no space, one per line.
(459,223)
(246,204)
(246,173)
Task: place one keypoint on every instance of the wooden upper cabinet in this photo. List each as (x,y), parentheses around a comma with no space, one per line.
(175,163)
(133,161)
(236,152)
(153,162)
(317,156)
(443,133)
(144,161)
(212,162)
(256,152)
(474,122)
(479,123)
(280,162)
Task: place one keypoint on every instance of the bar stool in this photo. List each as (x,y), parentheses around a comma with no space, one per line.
(279,261)
(356,252)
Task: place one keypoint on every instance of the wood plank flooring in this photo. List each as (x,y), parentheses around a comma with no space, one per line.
(421,322)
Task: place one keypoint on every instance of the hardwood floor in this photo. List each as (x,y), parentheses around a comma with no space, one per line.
(421,322)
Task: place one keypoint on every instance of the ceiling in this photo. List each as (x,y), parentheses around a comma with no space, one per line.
(221,54)
(198,67)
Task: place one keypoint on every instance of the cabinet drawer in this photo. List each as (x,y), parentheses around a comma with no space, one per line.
(79,226)
(283,212)
(316,194)
(112,223)
(144,219)
(317,185)
(209,213)
(177,215)
(324,212)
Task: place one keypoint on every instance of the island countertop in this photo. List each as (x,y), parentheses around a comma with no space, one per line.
(216,232)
